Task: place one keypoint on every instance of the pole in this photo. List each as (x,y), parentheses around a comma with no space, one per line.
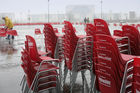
(48,11)
(101,8)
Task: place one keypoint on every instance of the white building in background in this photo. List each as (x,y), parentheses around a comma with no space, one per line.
(44,18)
(77,13)
(33,18)
(21,17)
(132,15)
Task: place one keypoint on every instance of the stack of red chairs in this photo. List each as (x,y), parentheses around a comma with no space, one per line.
(123,42)
(50,39)
(110,64)
(70,41)
(41,74)
(77,54)
(53,45)
(131,81)
(53,41)
(134,36)
(101,27)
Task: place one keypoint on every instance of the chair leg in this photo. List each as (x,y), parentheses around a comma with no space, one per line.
(83,81)
(60,74)
(26,88)
(65,74)
(23,84)
(73,77)
(22,80)
(58,86)
(92,84)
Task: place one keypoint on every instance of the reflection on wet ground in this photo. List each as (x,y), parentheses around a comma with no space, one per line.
(8,54)
(7,47)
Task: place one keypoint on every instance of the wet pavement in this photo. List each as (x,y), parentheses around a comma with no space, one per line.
(10,70)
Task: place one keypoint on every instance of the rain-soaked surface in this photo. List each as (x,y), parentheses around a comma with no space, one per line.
(10,53)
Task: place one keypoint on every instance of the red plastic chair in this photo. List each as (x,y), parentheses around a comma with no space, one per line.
(122,58)
(133,34)
(77,53)
(109,39)
(107,83)
(118,33)
(56,30)
(131,82)
(105,47)
(122,42)
(52,41)
(63,30)
(101,26)
(33,51)
(12,32)
(37,31)
(40,77)
(3,32)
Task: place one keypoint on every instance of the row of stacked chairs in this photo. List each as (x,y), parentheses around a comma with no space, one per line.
(102,55)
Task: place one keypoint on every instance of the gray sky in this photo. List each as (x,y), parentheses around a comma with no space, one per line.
(58,6)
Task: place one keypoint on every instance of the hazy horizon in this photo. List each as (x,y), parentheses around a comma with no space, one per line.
(58,6)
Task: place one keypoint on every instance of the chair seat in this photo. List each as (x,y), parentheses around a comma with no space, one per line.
(42,53)
(81,36)
(45,67)
(45,58)
(127,57)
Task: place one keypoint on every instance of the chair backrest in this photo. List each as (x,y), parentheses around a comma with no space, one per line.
(108,43)
(56,30)
(105,58)
(32,48)
(68,26)
(70,42)
(3,32)
(27,67)
(107,39)
(118,33)
(37,31)
(107,83)
(50,38)
(134,36)
(136,66)
(132,33)
(90,29)
(101,27)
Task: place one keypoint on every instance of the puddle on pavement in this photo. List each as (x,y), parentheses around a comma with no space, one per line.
(9,54)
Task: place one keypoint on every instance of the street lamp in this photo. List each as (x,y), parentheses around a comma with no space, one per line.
(48,11)
(101,8)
